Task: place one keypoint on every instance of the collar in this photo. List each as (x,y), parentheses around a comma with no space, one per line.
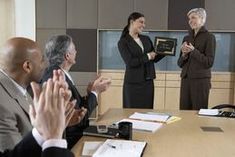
(67,74)
(201,30)
(22,89)
(128,36)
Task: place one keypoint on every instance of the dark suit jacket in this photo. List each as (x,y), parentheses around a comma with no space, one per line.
(138,67)
(199,62)
(89,102)
(28,147)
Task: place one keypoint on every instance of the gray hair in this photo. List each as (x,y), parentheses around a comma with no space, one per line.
(56,47)
(200,12)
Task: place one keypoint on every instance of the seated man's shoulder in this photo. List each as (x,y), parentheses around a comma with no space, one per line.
(48,73)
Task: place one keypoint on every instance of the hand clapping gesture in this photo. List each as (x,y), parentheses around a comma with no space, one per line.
(186,48)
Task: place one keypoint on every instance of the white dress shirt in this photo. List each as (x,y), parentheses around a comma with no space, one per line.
(139,42)
(70,78)
(60,143)
(21,89)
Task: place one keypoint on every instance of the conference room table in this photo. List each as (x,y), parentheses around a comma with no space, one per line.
(183,138)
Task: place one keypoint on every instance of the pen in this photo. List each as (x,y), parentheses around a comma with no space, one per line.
(156,121)
(112,146)
(158,113)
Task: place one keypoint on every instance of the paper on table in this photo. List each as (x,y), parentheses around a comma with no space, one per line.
(90,147)
(143,125)
(209,112)
(150,117)
(120,148)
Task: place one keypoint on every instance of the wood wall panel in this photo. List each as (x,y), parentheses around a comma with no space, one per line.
(159,95)
(85,41)
(177,12)
(43,35)
(219,13)
(155,12)
(112,98)
(167,92)
(51,14)
(113,14)
(82,14)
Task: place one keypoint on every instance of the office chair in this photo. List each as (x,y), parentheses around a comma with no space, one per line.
(223,113)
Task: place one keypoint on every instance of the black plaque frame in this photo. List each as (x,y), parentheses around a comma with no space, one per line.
(165,46)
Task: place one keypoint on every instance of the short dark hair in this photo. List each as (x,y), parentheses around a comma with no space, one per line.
(56,47)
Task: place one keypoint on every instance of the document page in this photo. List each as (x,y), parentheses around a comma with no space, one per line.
(120,148)
(150,117)
(209,112)
(90,147)
(144,125)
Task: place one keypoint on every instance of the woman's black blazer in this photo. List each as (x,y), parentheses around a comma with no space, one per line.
(138,67)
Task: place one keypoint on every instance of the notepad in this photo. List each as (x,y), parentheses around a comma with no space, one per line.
(143,125)
(150,117)
(90,147)
(120,148)
(208,112)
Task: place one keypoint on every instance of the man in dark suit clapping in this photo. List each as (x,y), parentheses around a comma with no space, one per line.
(61,54)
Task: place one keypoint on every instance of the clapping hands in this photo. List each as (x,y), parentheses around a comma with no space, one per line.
(99,85)
(186,48)
(52,109)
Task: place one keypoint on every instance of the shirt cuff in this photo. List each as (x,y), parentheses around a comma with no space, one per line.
(96,95)
(185,56)
(149,57)
(59,143)
(38,137)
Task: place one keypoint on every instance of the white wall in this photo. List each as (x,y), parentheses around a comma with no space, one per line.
(25,25)
(7,29)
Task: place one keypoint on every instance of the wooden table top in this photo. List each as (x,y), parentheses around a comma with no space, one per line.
(183,138)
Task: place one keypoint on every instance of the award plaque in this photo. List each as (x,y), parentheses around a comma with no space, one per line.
(165,46)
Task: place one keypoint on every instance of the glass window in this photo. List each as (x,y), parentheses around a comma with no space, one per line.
(109,56)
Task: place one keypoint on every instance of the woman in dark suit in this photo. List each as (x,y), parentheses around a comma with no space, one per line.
(196,59)
(137,53)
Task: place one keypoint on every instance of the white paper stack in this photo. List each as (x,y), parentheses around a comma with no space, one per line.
(154,117)
(208,112)
(143,125)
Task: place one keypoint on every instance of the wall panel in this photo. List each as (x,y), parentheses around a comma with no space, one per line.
(114,13)
(51,13)
(156,13)
(167,90)
(7,26)
(42,35)
(220,13)
(82,14)
(177,13)
(85,41)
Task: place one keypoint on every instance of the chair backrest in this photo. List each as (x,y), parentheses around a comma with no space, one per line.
(222,106)
(230,113)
